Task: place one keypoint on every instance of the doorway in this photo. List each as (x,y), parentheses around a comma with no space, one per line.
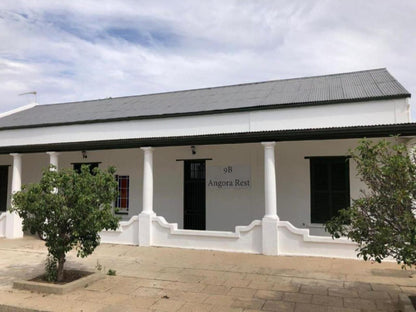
(194,195)
(4,178)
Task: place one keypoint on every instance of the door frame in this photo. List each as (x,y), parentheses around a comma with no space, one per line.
(202,206)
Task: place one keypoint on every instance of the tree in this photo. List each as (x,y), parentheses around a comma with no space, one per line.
(70,209)
(382,220)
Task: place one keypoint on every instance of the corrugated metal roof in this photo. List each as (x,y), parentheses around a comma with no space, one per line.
(345,87)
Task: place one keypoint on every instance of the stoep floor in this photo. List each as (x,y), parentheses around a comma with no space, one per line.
(167,279)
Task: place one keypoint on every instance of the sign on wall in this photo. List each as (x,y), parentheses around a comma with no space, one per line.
(228,176)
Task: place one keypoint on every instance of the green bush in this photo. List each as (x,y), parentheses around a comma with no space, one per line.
(70,208)
(382,220)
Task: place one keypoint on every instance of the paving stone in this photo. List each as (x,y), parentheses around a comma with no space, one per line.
(358,303)
(236,283)
(327,300)
(171,270)
(196,307)
(281,306)
(304,281)
(387,305)
(261,285)
(195,287)
(117,308)
(313,290)
(216,289)
(297,297)
(386,288)
(278,279)
(141,302)
(242,292)
(287,287)
(257,277)
(359,286)
(307,307)
(339,309)
(408,290)
(217,308)
(268,294)
(186,296)
(147,292)
(247,303)
(374,295)
(219,300)
(168,305)
(343,292)
(215,281)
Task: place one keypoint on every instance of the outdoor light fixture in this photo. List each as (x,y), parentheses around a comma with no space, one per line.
(193,149)
(84,154)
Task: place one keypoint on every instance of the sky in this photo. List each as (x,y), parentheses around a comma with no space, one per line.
(83,49)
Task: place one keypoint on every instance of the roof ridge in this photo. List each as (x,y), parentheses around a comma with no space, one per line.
(225,86)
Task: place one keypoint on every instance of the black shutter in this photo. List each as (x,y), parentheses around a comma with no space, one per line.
(330,187)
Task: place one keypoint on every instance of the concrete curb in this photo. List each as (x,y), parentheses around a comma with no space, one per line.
(58,289)
(405,304)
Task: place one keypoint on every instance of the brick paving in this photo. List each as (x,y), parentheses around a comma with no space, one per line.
(167,279)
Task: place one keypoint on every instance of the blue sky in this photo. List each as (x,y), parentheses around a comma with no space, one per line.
(81,49)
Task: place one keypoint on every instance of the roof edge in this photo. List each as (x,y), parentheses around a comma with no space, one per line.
(18,109)
(353,132)
(211,112)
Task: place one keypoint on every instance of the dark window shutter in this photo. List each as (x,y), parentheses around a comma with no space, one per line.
(330,187)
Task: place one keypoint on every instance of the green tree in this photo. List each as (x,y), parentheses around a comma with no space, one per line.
(70,209)
(382,220)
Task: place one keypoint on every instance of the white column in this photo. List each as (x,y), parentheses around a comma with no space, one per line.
(53,159)
(270,219)
(13,221)
(148,180)
(270,181)
(145,217)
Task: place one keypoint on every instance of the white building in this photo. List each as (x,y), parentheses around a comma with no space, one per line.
(254,168)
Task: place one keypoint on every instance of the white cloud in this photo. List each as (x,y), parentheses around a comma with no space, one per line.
(74,50)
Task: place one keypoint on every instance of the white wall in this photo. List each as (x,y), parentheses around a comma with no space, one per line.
(225,208)
(334,115)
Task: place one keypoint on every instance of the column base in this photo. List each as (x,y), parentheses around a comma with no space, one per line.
(13,225)
(270,235)
(145,228)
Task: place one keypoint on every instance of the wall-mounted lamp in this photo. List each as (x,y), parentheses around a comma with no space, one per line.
(193,149)
(84,154)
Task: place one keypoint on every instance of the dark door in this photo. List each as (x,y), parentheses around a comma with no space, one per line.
(4,177)
(194,195)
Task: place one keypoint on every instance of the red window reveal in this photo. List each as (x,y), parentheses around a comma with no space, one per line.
(122,202)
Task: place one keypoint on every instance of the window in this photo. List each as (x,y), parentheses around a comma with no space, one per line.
(330,187)
(77,166)
(122,201)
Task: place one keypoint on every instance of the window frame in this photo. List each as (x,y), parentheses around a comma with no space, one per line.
(117,202)
(328,161)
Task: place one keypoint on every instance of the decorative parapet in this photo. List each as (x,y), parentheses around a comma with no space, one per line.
(312,238)
(173,229)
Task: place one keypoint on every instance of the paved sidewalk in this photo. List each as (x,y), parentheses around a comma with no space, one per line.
(167,279)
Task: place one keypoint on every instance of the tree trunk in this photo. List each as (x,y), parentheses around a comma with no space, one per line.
(60,275)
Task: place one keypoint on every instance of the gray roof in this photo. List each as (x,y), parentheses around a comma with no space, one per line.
(346,87)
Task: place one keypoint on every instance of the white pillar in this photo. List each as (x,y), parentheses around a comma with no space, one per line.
(145,217)
(270,219)
(53,159)
(13,221)
(270,181)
